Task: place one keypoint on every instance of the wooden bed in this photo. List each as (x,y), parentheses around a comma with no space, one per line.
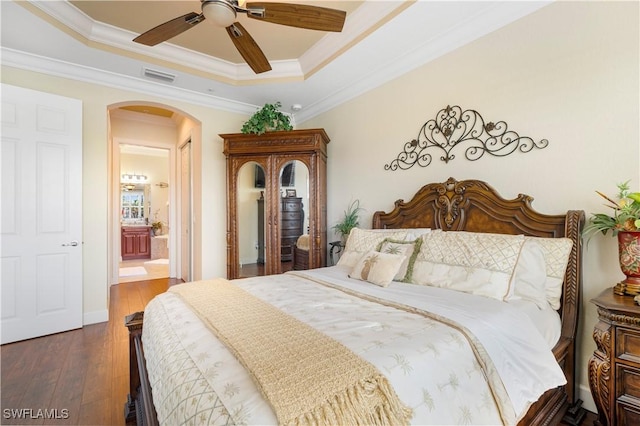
(468,205)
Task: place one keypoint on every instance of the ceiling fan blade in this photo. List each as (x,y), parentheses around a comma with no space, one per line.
(169,29)
(248,48)
(298,15)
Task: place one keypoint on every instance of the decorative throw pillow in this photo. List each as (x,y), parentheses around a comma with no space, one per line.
(477,263)
(303,242)
(361,241)
(556,256)
(529,276)
(377,268)
(409,249)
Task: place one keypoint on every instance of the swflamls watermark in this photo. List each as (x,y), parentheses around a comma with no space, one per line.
(36,413)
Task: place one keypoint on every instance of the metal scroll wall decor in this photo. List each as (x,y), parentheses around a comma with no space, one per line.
(453,127)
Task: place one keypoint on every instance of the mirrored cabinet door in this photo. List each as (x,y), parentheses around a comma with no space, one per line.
(251,218)
(276,198)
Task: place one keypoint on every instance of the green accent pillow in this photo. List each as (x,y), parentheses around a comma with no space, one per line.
(409,249)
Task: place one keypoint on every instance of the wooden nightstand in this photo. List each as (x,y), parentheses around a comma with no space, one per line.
(614,367)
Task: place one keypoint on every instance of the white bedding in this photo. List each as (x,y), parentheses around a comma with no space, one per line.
(430,364)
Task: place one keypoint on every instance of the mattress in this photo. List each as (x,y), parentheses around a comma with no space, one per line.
(454,358)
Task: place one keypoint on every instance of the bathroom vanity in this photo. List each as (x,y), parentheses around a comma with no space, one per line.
(136,242)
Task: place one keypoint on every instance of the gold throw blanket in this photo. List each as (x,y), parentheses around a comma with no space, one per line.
(306,376)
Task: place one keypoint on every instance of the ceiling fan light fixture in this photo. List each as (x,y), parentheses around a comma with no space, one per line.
(220,12)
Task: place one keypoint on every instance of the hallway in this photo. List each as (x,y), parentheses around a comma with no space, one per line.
(143,269)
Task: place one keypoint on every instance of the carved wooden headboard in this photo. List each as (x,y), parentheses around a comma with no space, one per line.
(474,206)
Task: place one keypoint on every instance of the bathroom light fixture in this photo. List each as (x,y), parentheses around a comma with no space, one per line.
(133,178)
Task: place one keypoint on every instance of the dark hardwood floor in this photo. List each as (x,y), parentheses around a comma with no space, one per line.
(257,269)
(80,377)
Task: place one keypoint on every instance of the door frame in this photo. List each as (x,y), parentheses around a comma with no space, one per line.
(114,205)
(185,194)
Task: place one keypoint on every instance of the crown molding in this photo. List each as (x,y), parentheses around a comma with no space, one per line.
(358,25)
(482,23)
(44,65)
(485,21)
(107,37)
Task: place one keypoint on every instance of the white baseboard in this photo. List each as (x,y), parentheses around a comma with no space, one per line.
(584,393)
(95,317)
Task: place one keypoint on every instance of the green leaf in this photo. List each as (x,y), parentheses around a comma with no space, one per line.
(635,196)
(267,118)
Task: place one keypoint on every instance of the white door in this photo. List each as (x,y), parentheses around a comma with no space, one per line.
(41,227)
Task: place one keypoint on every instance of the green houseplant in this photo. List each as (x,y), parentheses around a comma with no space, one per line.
(266,119)
(625,216)
(350,220)
(624,223)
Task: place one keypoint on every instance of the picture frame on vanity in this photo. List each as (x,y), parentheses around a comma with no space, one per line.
(290,193)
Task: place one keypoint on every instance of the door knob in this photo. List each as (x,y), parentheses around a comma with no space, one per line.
(72,244)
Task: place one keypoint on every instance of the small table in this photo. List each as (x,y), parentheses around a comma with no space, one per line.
(614,367)
(336,247)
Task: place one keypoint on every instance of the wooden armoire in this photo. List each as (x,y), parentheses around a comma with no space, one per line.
(272,151)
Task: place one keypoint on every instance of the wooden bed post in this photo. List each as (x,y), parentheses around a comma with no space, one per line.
(133,322)
(138,409)
(572,295)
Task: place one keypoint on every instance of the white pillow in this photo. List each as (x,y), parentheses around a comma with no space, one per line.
(409,249)
(377,268)
(361,241)
(556,256)
(529,277)
(413,233)
(477,263)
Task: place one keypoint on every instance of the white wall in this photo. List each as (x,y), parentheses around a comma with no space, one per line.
(568,73)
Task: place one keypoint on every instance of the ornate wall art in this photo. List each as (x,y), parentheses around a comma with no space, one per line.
(453,127)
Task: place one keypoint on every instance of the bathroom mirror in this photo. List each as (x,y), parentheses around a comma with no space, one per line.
(251,219)
(135,204)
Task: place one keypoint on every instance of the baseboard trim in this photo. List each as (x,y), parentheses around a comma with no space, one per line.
(584,393)
(95,317)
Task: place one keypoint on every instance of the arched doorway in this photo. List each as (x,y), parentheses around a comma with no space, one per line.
(145,130)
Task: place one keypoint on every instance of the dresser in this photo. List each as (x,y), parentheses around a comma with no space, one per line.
(291,227)
(614,367)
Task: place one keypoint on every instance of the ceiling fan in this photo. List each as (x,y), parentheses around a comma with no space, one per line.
(224,12)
